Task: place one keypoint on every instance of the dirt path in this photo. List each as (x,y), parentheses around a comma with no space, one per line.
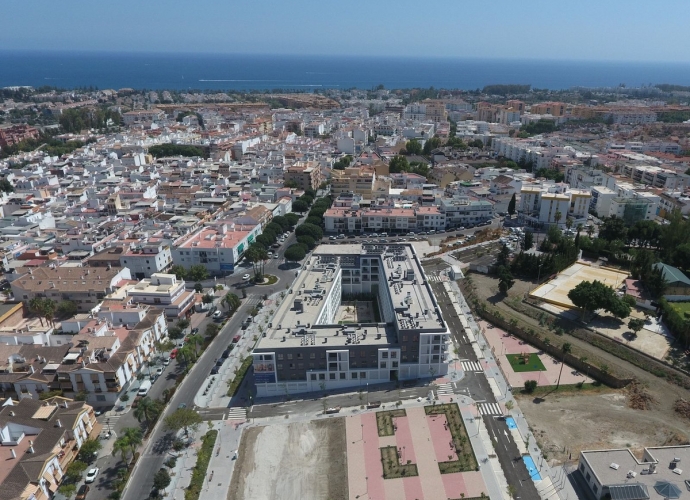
(304,460)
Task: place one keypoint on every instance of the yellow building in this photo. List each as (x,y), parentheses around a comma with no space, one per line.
(549,108)
(358,179)
(305,174)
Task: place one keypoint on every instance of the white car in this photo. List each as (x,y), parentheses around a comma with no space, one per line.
(159,371)
(217,314)
(166,361)
(91,475)
(246,277)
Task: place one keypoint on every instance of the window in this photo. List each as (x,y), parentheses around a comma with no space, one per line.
(322,376)
(354,374)
(394,355)
(582,468)
(312,355)
(362,374)
(587,476)
(383,364)
(331,376)
(280,357)
(342,376)
(300,366)
(313,376)
(363,354)
(403,348)
(594,488)
(384,355)
(299,355)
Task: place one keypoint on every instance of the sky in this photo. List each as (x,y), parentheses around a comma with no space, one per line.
(609,30)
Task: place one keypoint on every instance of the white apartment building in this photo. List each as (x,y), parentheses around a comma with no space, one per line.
(656,176)
(540,204)
(145,261)
(218,247)
(164,291)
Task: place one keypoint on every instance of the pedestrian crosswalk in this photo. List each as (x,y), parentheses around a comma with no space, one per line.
(237,414)
(471,366)
(489,409)
(437,277)
(445,389)
(252,299)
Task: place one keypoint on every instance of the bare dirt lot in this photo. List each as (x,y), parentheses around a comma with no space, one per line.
(566,424)
(301,461)
(577,421)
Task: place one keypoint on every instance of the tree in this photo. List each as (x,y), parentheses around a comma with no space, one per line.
(175,333)
(257,255)
(207,298)
(293,219)
(431,144)
(88,449)
(587,296)
(179,271)
(67,489)
(66,309)
(187,353)
(397,164)
(133,436)
(590,230)
(299,206)
(413,147)
(212,330)
(231,300)
(509,405)
(566,348)
(511,205)
(198,287)
(530,386)
(6,186)
(295,253)
(557,216)
(635,325)
(309,230)
(195,341)
(505,280)
(502,259)
(148,409)
(528,240)
(307,240)
(161,479)
(36,307)
(568,222)
(184,418)
(75,470)
(197,272)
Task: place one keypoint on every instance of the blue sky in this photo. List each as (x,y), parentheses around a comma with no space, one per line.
(542,29)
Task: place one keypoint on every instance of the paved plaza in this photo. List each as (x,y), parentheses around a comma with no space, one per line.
(503,344)
(421,439)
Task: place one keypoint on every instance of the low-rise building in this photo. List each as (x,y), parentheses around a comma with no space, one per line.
(164,291)
(41,439)
(144,261)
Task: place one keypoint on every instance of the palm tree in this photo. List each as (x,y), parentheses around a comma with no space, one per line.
(590,230)
(568,222)
(231,300)
(36,307)
(133,436)
(195,340)
(49,308)
(565,349)
(557,216)
(186,353)
(579,227)
(147,409)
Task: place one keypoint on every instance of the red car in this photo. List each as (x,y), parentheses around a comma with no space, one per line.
(173,354)
(235,339)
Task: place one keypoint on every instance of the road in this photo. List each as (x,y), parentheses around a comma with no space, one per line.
(156,449)
(477,387)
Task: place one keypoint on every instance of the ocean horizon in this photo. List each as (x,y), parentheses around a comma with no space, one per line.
(246,72)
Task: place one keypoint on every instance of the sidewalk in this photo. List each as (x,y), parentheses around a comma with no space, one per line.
(554,483)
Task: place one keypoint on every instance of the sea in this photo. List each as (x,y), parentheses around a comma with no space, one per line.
(244,72)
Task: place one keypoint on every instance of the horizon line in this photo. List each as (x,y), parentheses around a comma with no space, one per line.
(340,56)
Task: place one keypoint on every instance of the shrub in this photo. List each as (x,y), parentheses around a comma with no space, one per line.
(203,458)
(530,386)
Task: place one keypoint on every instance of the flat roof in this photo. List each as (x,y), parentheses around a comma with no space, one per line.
(613,468)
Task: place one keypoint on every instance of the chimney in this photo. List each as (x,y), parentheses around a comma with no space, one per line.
(11,414)
(14,455)
(58,423)
(64,405)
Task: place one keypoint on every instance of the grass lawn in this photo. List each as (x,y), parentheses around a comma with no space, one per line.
(534,364)
(681,307)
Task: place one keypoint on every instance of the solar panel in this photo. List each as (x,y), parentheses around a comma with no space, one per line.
(629,492)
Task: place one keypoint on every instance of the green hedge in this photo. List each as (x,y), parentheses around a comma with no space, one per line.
(237,381)
(203,457)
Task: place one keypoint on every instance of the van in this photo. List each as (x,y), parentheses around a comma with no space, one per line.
(144,388)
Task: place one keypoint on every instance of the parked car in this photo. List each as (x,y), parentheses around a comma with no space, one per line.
(217,314)
(159,371)
(83,491)
(235,339)
(91,475)
(166,361)
(246,277)
(214,370)
(173,354)
(226,353)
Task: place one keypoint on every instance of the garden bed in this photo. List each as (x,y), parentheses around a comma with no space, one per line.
(384,421)
(203,457)
(392,468)
(466,460)
(237,381)
(269,279)
(518,364)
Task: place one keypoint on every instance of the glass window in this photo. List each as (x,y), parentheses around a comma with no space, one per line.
(354,374)
(331,376)
(313,376)
(362,374)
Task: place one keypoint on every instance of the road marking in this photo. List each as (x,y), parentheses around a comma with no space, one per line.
(471,366)
(444,389)
(237,414)
(489,409)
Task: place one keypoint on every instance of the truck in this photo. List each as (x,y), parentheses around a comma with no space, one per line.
(144,388)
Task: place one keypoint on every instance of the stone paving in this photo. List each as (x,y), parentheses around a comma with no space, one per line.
(502,344)
(422,440)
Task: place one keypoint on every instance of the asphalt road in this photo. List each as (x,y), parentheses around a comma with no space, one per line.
(155,452)
(478,388)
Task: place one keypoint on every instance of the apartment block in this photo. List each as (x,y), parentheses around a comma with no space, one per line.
(306,175)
